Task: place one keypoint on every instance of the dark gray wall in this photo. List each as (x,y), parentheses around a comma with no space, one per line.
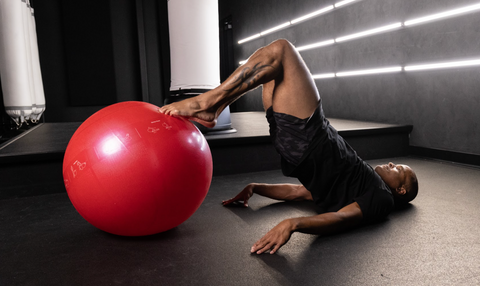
(101,56)
(443,105)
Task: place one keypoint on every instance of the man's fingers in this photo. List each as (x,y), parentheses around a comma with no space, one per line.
(245,202)
(266,247)
(277,246)
(229,201)
(241,198)
(258,248)
(262,245)
(236,199)
(274,239)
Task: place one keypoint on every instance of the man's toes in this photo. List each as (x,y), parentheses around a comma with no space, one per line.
(167,110)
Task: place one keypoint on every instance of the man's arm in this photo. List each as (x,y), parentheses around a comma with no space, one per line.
(283,192)
(326,223)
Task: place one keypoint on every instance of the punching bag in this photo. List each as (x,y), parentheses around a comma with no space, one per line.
(38,95)
(195,51)
(20,74)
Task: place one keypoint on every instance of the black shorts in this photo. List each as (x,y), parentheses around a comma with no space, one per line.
(290,135)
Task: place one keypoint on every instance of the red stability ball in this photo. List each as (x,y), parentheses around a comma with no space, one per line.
(130,170)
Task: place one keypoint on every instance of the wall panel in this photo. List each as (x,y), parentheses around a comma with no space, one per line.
(442,105)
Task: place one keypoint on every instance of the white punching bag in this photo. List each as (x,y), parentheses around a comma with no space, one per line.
(195,49)
(37,83)
(194,44)
(23,95)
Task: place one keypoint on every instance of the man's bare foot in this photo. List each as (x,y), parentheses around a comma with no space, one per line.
(191,109)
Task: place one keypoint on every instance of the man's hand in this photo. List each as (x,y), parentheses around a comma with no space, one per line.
(275,238)
(243,196)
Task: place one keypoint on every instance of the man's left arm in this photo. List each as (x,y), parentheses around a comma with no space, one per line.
(326,223)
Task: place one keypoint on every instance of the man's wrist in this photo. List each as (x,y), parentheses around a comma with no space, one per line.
(294,224)
(252,186)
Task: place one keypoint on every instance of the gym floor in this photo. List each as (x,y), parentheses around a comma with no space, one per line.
(435,241)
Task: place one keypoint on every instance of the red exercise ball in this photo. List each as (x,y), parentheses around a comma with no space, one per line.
(130,170)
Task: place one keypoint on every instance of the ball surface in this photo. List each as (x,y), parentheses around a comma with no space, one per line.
(130,170)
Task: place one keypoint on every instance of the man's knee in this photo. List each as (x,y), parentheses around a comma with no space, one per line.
(281,44)
(279,47)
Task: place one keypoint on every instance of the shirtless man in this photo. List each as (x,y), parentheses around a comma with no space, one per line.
(347,190)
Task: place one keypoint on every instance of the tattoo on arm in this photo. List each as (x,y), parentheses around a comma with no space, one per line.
(248,76)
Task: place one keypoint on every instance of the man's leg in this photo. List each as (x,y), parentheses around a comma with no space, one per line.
(294,92)
(288,86)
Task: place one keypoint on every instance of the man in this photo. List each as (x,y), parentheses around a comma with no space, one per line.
(347,190)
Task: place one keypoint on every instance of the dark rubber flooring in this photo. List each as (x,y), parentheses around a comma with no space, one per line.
(436,241)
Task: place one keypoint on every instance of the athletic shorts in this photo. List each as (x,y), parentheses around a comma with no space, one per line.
(290,135)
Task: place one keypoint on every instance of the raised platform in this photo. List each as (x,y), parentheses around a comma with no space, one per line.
(31,163)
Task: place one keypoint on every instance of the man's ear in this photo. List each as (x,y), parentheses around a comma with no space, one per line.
(401,190)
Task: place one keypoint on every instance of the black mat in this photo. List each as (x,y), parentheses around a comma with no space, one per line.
(43,241)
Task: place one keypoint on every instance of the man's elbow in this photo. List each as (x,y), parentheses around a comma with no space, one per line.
(301,194)
(349,220)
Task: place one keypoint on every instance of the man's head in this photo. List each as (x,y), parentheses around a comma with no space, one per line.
(401,179)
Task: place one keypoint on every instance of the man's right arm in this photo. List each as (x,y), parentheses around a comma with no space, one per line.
(283,192)
(326,223)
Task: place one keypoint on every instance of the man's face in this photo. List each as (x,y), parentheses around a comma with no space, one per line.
(395,176)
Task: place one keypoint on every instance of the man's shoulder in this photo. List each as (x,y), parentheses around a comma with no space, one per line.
(377,202)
